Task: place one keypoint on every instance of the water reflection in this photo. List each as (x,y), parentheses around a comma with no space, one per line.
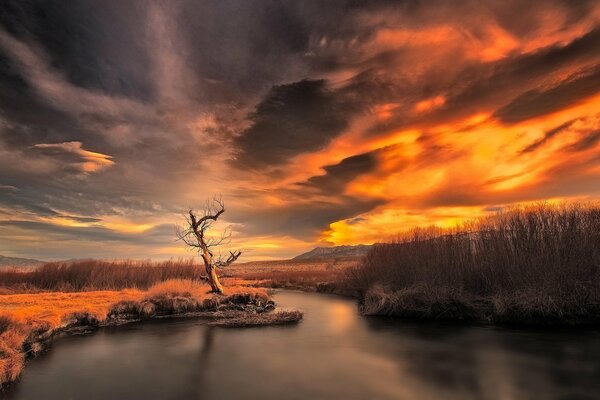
(334,353)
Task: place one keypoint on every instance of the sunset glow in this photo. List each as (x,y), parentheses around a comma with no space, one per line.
(364,122)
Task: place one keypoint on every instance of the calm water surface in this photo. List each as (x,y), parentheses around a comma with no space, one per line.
(332,354)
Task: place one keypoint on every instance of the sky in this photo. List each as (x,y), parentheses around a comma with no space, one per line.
(318,122)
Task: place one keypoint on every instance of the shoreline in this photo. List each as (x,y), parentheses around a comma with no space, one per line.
(416,304)
(523,309)
(236,310)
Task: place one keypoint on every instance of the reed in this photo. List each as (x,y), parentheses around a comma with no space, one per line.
(537,263)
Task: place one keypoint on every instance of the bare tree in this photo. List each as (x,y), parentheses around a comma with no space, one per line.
(193,234)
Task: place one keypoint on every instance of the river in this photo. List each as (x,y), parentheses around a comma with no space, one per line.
(334,353)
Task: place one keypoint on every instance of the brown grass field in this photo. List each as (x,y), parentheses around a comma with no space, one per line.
(27,317)
(38,302)
(57,295)
(308,275)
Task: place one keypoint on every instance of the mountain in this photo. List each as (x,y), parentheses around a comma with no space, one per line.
(335,252)
(17,262)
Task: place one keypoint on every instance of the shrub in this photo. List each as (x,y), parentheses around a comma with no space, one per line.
(550,251)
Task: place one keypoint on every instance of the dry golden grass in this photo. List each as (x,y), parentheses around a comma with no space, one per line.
(319,274)
(26,314)
(177,287)
(289,266)
(57,295)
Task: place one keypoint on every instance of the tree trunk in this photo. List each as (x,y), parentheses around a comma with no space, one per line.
(211,273)
(213,279)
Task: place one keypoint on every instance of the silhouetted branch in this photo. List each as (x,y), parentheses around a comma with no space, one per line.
(232,257)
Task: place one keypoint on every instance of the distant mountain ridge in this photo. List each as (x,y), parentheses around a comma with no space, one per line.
(19,262)
(360,250)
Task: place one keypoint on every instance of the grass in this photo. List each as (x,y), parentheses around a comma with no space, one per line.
(537,264)
(92,275)
(72,295)
(276,318)
(308,275)
(28,319)
(96,275)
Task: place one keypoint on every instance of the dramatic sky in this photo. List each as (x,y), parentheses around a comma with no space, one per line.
(330,122)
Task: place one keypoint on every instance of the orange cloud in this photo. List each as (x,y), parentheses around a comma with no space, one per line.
(84,160)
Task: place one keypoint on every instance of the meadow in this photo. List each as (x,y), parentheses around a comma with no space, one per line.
(82,296)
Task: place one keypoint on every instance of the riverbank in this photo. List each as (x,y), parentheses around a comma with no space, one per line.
(526,308)
(29,322)
(533,265)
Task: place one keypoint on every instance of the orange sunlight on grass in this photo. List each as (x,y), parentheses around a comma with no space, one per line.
(24,314)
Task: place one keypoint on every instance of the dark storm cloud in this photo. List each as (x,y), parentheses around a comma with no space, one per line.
(337,176)
(95,45)
(300,219)
(535,103)
(292,119)
(29,119)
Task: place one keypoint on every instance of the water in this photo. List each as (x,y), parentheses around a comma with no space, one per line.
(332,354)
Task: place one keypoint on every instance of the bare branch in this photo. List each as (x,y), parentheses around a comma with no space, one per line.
(232,257)
(193,234)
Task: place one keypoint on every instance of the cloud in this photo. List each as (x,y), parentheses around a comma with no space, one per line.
(75,157)
(303,220)
(292,119)
(158,235)
(547,136)
(589,141)
(313,120)
(337,176)
(9,188)
(535,103)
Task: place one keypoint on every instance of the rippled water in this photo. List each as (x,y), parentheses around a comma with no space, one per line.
(332,354)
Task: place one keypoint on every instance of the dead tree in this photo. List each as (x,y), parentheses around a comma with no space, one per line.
(193,234)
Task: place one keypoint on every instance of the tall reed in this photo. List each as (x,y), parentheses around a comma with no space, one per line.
(544,251)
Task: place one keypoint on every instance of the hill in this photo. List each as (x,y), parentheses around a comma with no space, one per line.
(6,262)
(360,250)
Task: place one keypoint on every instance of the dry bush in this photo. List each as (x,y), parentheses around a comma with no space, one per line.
(90,275)
(552,251)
